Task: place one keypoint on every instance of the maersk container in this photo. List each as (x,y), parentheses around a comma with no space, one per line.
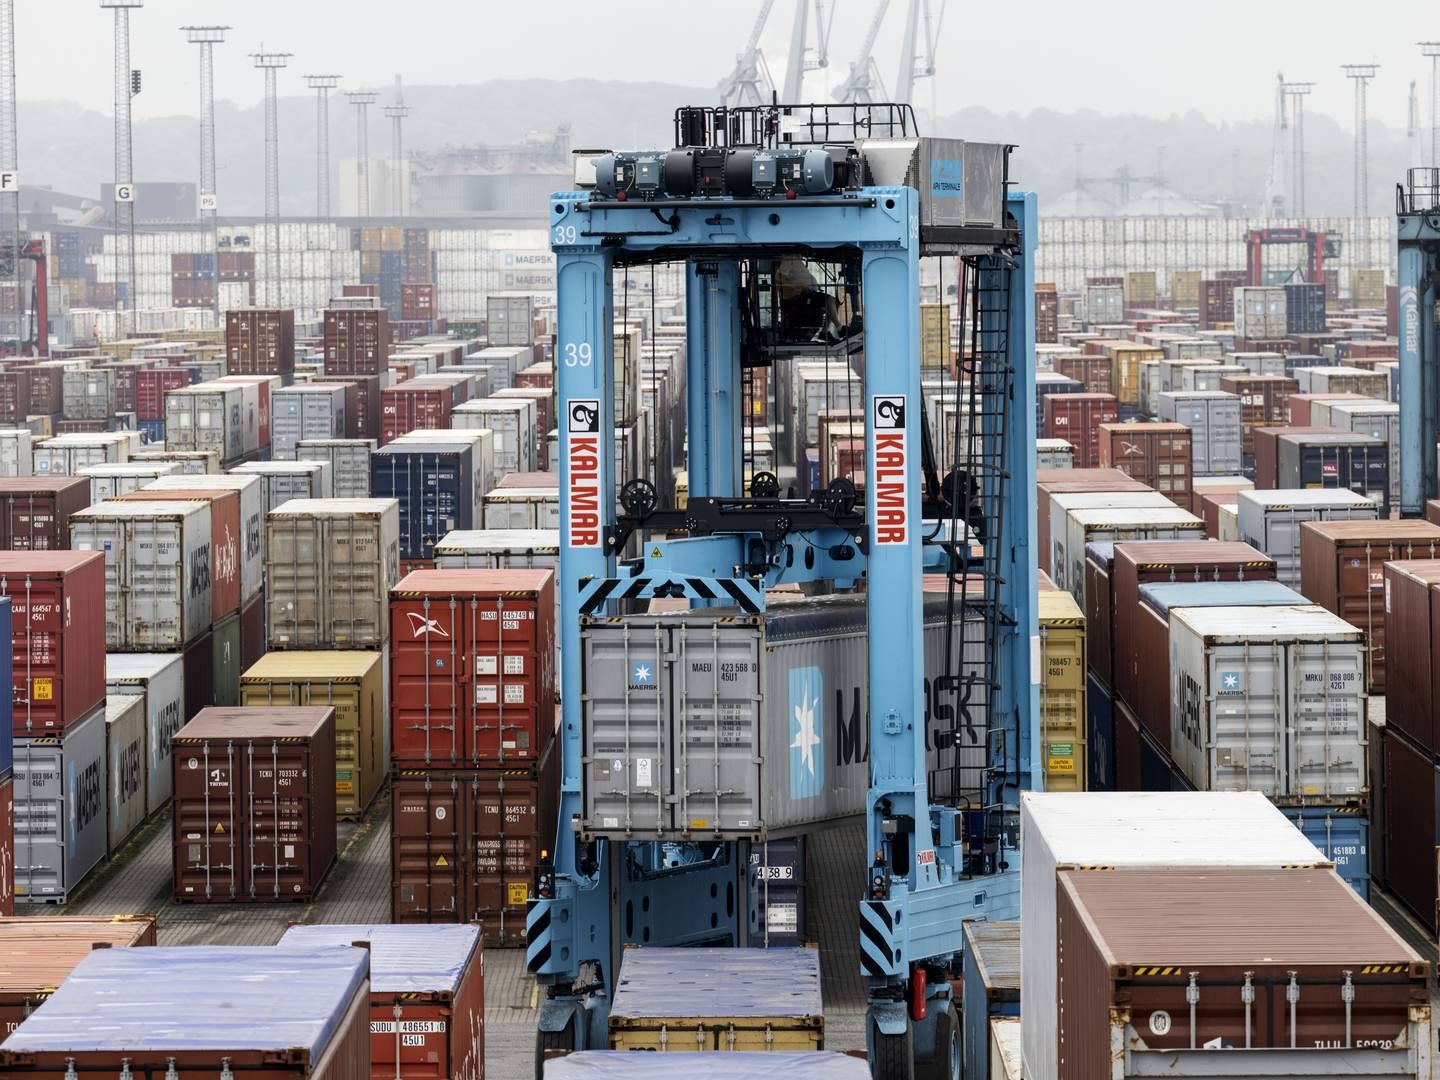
(59,812)
(793,740)
(157,571)
(108,481)
(160,679)
(252,519)
(1063,562)
(513,422)
(1102,523)
(510,509)
(282,481)
(1213,417)
(1269,699)
(124,767)
(349,463)
(1271,520)
(1054,454)
(207,417)
(304,412)
(1128,831)
(436,486)
(990,986)
(1342,833)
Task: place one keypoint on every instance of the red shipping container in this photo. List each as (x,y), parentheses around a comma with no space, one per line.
(1412,632)
(151,386)
(414,405)
(127,382)
(1217,303)
(35,510)
(1093,370)
(254,805)
(260,341)
(1299,405)
(7,856)
(1067,481)
(357,341)
(47,392)
(1157,454)
(358,289)
(417,300)
(14,395)
(464,844)
(1267,450)
(1409,833)
(402,370)
(224,540)
(57,604)
(362,405)
(542,377)
(472,667)
(1099,637)
(1077,419)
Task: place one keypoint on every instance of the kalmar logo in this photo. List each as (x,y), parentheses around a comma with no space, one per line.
(888,451)
(583,468)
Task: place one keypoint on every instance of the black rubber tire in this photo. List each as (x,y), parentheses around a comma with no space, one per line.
(946,1063)
(894,1057)
(552,1044)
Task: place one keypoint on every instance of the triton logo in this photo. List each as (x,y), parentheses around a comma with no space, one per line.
(583,458)
(888,451)
(420,625)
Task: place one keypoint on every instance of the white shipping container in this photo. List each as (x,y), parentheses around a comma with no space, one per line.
(1261,363)
(157,570)
(313,411)
(160,678)
(1060,507)
(1089,524)
(1269,699)
(499,549)
(349,461)
(252,519)
(109,481)
(17,453)
(1379,419)
(1270,520)
(285,480)
(88,393)
(208,417)
(512,420)
(65,455)
(1260,312)
(1229,523)
(187,462)
(1054,454)
(125,757)
(522,508)
(1213,418)
(1124,831)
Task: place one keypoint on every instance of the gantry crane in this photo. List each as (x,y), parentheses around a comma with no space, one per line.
(749,82)
(737,194)
(863,83)
(917,46)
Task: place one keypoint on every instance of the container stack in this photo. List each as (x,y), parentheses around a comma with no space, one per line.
(473,714)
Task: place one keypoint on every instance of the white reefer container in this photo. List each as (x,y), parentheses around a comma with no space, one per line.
(207,416)
(252,519)
(513,422)
(1060,507)
(160,678)
(17,452)
(157,570)
(1213,417)
(349,463)
(1270,520)
(285,480)
(1123,831)
(1086,524)
(522,508)
(1271,700)
(65,455)
(108,481)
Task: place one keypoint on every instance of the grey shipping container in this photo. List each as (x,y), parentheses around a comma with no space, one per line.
(59,810)
(88,393)
(1342,460)
(160,679)
(791,704)
(187,462)
(307,411)
(285,480)
(1213,418)
(207,416)
(1271,520)
(349,463)
(108,481)
(990,986)
(252,519)
(124,767)
(510,320)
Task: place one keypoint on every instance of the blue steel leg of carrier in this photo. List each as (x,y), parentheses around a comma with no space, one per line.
(1419,243)
(712,375)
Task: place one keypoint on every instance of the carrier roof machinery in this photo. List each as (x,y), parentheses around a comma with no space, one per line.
(761,204)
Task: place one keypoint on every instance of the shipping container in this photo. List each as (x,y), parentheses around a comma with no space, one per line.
(333,563)
(65,455)
(1077,418)
(282,481)
(349,461)
(1088,524)
(1063,744)
(1099,634)
(720,999)
(1410,831)
(743,1065)
(260,341)
(1286,944)
(508,509)
(473,667)
(464,844)
(219,565)
(125,757)
(159,570)
(109,481)
(776,883)
(57,599)
(1128,832)
(160,679)
(1271,521)
(227,653)
(1341,380)
(439,487)
(305,412)
(424,402)
(14,395)
(1266,440)
(1072,481)
(1213,418)
(353,684)
(514,423)
(1342,833)
(88,393)
(1342,568)
(1412,618)
(1054,454)
(188,462)
(7,864)
(990,986)
(1269,699)
(250,534)
(1263,402)
(1063,563)
(1158,455)
(357,341)
(219,1006)
(427,996)
(209,416)
(38,953)
(17,452)
(59,809)
(1378,419)
(254,813)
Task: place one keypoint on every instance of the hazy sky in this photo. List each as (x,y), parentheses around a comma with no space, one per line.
(1217,56)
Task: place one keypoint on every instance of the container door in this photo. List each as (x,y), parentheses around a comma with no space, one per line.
(431,681)
(1327,725)
(426,849)
(298,565)
(354,758)
(716,705)
(1342,835)
(280,818)
(1244,748)
(626,729)
(209,842)
(1282,543)
(505,659)
(1062,707)
(505,841)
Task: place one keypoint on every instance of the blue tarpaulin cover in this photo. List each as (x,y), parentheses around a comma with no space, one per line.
(198,998)
(718,982)
(598,1064)
(1162,596)
(403,959)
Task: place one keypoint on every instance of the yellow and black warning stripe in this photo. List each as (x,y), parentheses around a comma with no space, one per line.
(1384,969)
(1146,970)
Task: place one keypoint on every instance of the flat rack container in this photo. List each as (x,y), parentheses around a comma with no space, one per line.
(38,953)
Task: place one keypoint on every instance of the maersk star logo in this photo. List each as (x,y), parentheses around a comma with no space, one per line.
(642,676)
(807,725)
(1230,682)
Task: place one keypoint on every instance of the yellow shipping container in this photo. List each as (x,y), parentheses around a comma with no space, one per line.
(1063,745)
(1125,360)
(1140,288)
(934,336)
(1367,288)
(392,239)
(352,682)
(1185,288)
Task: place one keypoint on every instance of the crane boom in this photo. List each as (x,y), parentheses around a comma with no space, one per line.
(795,67)
(749,81)
(917,47)
(863,82)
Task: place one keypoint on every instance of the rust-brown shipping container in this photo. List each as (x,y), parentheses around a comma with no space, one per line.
(1410,834)
(14,395)
(357,341)
(1432,511)
(47,392)
(263,1013)
(1267,450)
(1099,639)
(7,850)
(1412,635)
(1298,405)
(1264,399)
(1147,562)
(1159,455)
(38,953)
(464,843)
(1217,303)
(35,510)
(1071,481)
(1127,748)
(260,341)
(254,804)
(427,996)
(1091,369)
(1342,568)
(1077,418)
(1331,983)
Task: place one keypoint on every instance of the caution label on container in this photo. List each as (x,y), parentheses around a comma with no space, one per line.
(42,689)
(516,893)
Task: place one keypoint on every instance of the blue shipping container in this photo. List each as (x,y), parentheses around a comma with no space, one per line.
(777,893)
(152,431)
(1157,771)
(1344,836)
(1101,768)
(438,487)
(990,986)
